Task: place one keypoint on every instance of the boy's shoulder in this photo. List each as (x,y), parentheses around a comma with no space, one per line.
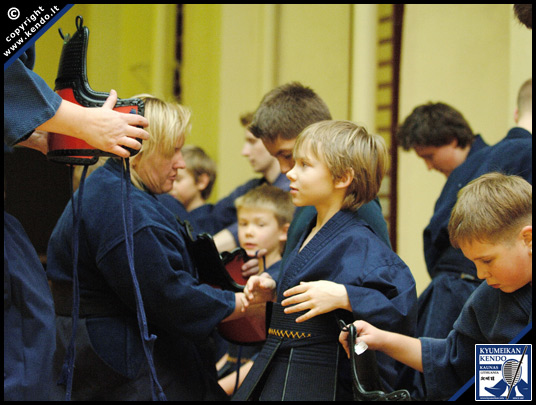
(491,315)
(369,215)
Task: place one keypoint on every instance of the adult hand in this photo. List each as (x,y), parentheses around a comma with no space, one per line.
(38,140)
(110,130)
(103,128)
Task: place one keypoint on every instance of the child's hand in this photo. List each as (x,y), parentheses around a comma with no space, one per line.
(259,289)
(365,333)
(405,349)
(253,266)
(319,297)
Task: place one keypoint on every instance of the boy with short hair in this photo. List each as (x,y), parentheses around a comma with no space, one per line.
(442,137)
(264,215)
(193,187)
(492,224)
(194,184)
(339,268)
(283,113)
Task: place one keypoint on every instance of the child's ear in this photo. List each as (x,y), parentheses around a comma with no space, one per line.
(283,232)
(202,181)
(345,180)
(526,234)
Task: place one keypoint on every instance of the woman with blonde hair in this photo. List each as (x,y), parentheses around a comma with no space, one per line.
(180,312)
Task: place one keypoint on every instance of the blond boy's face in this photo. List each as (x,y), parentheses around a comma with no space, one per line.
(258,229)
(311,182)
(505,266)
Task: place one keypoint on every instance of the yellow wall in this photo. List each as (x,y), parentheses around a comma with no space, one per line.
(201,66)
(131,47)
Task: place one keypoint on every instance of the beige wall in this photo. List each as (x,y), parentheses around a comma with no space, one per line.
(258,47)
(471,56)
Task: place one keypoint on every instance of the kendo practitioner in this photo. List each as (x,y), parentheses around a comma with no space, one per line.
(181,312)
(29,332)
(338,270)
(443,138)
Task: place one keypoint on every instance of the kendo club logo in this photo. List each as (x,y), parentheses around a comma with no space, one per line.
(503,372)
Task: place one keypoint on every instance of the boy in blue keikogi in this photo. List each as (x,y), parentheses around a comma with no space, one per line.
(264,215)
(338,269)
(492,224)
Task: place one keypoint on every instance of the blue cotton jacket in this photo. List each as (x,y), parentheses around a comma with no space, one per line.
(180,311)
(380,288)
(489,316)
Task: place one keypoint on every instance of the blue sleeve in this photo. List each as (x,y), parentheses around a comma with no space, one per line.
(173,298)
(488,316)
(28,102)
(29,327)
(447,364)
(390,297)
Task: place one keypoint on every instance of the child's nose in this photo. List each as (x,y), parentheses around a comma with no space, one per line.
(481,273)
(290,174)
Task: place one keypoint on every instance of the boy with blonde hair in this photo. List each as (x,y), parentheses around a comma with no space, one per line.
(264,215)
(492,224)
(339,269)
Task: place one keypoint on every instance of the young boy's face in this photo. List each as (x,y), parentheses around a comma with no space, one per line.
(184,187)
(311,182)
(258,229)
(505,266)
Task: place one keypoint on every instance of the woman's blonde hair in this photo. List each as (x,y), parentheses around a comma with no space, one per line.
(492,208)
(168,122)
(347,148)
